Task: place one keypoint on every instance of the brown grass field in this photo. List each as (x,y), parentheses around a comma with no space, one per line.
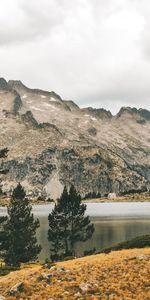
(120,275)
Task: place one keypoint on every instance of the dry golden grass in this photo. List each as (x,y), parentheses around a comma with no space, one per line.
(119,275)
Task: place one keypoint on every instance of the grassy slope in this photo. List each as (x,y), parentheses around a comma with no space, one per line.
(119,275)
(137,242)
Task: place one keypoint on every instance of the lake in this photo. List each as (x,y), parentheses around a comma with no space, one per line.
(114,222)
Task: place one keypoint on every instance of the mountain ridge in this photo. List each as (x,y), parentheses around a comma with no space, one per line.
(53,142)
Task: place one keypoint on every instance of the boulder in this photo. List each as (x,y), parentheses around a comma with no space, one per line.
(84,287)
(45,276)
(2,297)
(142,257)
(19,287)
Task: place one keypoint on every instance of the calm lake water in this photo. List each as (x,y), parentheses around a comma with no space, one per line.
(114,222)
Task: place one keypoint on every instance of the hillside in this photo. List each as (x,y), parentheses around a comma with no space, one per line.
(115,276)
(52,143)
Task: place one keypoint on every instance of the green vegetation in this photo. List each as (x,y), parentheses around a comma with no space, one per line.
(92,195)
(4,270)
(68,225)
(3,234)
(138,242)
(134,191)
(3,154)
(20,243)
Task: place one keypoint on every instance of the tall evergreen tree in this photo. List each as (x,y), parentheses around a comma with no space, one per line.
(55,233)
(3,235)
(81,227)
(21,243)
(3,154)
(68,223)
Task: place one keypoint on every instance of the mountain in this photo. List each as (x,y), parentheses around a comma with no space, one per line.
(52,143)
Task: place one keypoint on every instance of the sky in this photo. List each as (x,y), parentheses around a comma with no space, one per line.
(94,52)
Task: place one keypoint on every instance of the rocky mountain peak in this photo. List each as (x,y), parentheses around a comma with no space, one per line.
(126,110)
(144,113)
(72,105)
(141,115)
(98,112)
(17,85)
(3,84)
(52,143)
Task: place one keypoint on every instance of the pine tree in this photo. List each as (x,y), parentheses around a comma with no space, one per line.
(81,227)
(55,233)
(3,235)
(21,243)
(68,224)
(3,154)
(58,232)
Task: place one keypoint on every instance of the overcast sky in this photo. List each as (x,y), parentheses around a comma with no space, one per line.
(95,52)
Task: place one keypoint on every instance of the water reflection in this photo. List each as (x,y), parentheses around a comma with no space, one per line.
(114,222)
(106,234)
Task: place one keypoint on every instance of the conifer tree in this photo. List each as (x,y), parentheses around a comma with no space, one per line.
(81,227)
(58,233)
(21,243)
(68,223)
(3,235)
(3,154)
(55,233)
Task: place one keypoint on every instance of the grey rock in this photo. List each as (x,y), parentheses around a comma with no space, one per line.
(66,293)
(142,257)
(3,84)
(98,112)
(84,287)
(63,270)
(53,268)
(2,297)
(19,287)
(29,120)
(53,143)
(17,104)
(46,276)
(77,295)
(92,131)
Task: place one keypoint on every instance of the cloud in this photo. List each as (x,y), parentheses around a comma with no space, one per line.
(27,20)
(94,52)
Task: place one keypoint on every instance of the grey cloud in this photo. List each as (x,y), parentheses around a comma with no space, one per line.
(94,52)
(28,20)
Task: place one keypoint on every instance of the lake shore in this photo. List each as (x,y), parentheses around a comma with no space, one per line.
(144,197)
(114,223)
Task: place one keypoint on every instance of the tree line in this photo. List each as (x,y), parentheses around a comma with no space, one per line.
(67,226)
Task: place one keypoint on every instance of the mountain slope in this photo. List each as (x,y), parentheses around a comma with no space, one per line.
(52,142)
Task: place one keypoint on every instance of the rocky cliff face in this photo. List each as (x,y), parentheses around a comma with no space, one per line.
(52,143)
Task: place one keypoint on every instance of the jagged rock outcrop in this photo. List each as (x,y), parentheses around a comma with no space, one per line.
(144,114)
(73,106)
(3,84)
(98,112)
(53,143)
